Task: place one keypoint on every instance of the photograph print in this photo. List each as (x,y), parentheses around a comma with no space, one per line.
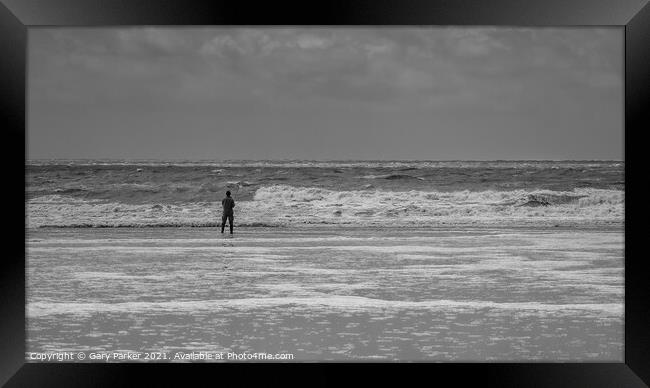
(289,194)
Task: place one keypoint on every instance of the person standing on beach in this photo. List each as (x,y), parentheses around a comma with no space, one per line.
(228,203)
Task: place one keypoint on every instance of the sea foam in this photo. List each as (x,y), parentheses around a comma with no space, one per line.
(285,205)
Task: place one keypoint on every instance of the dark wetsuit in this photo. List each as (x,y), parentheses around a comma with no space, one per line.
(228,203)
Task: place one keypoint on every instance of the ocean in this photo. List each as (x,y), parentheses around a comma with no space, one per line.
(302,193)
(352,260)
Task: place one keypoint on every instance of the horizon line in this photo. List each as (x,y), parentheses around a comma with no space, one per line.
(324,160)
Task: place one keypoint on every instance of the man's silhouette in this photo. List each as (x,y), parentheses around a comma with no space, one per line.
(228,203)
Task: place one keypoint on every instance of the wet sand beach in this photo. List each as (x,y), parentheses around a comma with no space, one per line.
(332,292)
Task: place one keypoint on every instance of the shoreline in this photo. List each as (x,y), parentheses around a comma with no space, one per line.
(474,293)
(329,226)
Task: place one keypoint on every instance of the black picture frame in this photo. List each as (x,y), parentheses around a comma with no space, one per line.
(16,16)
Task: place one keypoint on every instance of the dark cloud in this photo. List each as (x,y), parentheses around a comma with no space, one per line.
(466,78)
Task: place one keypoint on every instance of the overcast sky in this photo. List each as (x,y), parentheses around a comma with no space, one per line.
(435,93)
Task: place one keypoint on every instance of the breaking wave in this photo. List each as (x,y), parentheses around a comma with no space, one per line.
(392,176)
(284,205)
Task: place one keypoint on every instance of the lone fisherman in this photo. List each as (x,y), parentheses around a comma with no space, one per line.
(228,203)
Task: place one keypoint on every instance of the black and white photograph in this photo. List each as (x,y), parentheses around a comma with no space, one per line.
(325,193)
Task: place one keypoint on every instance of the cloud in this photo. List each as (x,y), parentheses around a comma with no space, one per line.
(474,42)
(282,84)
(393,65)
(149,41)
(309,41)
